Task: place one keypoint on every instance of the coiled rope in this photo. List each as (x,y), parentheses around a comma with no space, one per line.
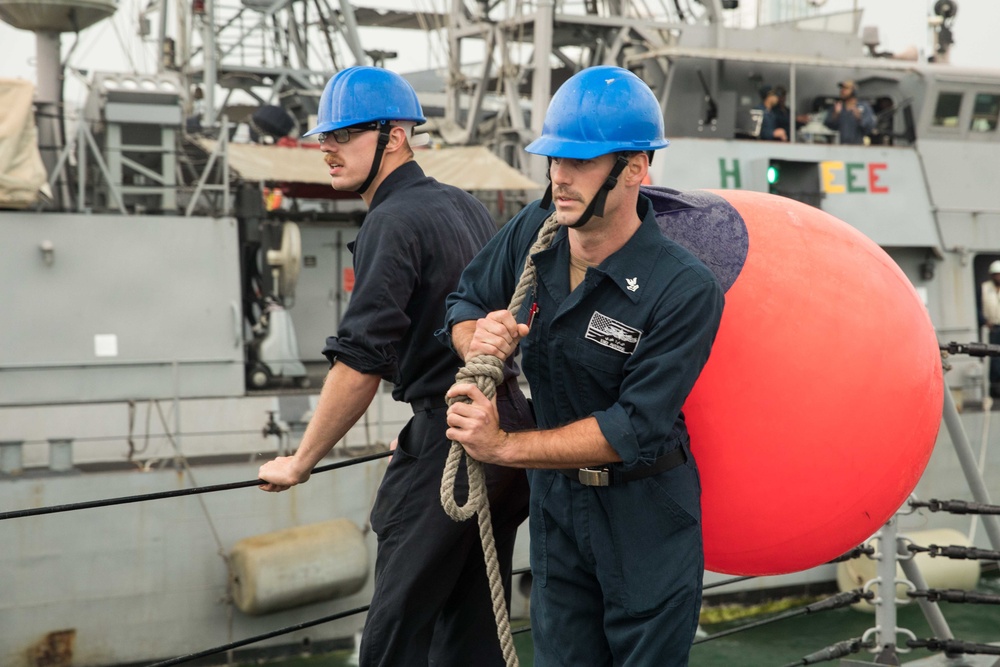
(486,372)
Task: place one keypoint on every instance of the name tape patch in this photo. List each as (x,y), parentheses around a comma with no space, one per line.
(611,333)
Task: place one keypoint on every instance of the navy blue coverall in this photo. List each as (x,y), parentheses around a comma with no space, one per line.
(617,569)
(431,604)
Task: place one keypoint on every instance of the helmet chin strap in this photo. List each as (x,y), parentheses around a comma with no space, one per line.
(596,205)
(383,141)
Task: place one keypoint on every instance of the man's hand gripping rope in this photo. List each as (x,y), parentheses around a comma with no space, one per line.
(486,372)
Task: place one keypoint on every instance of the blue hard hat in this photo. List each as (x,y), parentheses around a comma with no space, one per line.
(600,110)
(364,94)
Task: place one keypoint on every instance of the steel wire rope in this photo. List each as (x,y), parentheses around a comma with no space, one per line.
(833,602)
(221,549)
(486,372)
(123,500)
(190,473)
(252,640)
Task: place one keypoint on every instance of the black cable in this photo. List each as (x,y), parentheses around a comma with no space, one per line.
(251,640)
(955,596)
(856,552)
(838,650)
(17,514)
(956,506)
(953,647)
(971,349)
(834,602)
(956,552)
(726,582)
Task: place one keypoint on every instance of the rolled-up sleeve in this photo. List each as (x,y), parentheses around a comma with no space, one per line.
(376,318)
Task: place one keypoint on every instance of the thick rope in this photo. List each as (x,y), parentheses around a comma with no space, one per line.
(486,372)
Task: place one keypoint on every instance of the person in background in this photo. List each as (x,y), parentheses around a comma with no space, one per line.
(783,115)
(622,321)
(770,128)
(850,117)
(431,603)
(991,319)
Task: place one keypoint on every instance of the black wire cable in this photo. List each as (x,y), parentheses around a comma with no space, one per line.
(850,555)
(838,650)
(834,602)
(955,596)
(955,552)
(17,514)
(726,582)
(953,647)
(251,640)
(956,506)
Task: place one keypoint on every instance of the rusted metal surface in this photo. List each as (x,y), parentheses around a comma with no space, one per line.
(54,650)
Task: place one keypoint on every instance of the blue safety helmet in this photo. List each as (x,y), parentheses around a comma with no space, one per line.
(364,94)
(600,110)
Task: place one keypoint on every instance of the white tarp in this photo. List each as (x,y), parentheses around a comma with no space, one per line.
(22,173)
(465,167)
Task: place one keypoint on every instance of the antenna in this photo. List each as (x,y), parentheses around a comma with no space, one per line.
(944,16)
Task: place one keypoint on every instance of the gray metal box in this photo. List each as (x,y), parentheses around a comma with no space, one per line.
(108,308)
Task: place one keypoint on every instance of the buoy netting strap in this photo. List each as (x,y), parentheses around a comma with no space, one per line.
(486,372)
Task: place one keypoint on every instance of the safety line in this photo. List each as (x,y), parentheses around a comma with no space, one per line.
(251,640)
(17,514)
(833,602)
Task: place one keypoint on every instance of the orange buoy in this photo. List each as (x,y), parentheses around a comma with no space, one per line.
(819,406)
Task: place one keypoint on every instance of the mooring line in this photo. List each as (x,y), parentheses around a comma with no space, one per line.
(53,509)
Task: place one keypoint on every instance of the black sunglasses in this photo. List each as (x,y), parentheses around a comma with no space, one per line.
(343,135)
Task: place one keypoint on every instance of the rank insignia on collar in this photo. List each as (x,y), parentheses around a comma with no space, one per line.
(633,284)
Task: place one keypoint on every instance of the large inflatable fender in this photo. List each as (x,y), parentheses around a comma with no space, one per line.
(819,406)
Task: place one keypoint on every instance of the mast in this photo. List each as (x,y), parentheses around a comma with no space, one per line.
(527,38)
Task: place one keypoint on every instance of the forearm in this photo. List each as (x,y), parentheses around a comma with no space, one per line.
(461,336)
(577,445)
(345,396)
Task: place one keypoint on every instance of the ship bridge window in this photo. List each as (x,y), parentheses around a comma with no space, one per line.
(985,112)
(946,111)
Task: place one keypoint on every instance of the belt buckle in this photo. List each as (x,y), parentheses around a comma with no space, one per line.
(594,476)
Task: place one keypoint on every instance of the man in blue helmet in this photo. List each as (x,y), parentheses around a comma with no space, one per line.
(431,603)
(621,323)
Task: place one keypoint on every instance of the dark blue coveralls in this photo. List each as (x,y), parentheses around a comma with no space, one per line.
(431,604)
(617,569)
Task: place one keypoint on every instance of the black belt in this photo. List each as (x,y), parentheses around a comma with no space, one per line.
(610,476)
(428,404)
(436,402)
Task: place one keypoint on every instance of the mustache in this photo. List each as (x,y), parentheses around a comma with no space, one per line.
(566,194)
(330,160)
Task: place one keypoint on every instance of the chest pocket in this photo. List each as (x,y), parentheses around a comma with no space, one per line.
(598,371)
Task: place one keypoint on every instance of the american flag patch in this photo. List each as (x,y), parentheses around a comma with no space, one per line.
(611,333)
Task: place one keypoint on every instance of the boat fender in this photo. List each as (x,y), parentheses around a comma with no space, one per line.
(939,573)
(818,409)
(297,566)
